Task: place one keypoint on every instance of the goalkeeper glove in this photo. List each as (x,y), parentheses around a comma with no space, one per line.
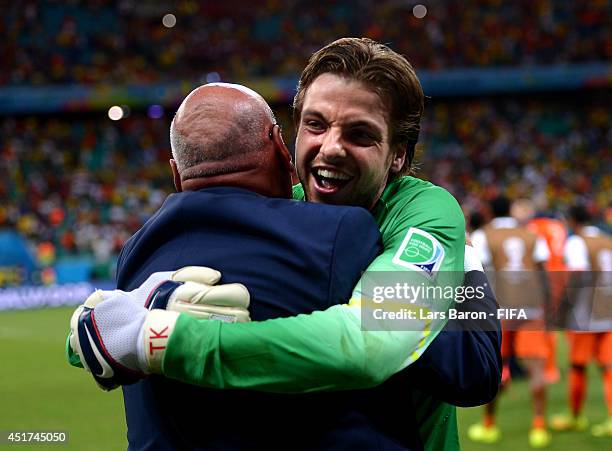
(193,290)
(118,341)
(111,334)
(189,290)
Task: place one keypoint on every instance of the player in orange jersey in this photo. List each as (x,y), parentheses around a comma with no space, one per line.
(589,250)
(517,256)
(554,232)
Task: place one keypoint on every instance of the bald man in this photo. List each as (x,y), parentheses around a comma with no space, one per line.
(232,212)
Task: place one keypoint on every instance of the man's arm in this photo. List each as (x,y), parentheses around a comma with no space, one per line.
(326,350)
(330,350)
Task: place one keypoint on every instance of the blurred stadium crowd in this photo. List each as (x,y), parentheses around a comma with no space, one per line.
(81,187)
(557,154)
(82,184)
(99,41)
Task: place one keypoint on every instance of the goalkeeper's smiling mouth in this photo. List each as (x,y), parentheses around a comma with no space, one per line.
(329,180)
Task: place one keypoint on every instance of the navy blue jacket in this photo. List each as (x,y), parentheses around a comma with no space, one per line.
(288,247)
(294,257)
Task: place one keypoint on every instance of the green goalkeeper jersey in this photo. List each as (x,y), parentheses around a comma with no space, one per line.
(330,350)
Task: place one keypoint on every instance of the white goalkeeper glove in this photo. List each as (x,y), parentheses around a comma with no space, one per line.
(117,356)
(118,341)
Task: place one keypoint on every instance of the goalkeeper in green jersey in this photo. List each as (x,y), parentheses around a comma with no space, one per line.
(357,111)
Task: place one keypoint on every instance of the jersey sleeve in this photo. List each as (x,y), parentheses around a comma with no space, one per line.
(425,250)
(330,350)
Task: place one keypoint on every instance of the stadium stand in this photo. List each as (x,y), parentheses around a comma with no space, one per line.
(57,42)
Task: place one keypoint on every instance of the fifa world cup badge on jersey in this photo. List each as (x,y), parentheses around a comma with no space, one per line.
(420,252)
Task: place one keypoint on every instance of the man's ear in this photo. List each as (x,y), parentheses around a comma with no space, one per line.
(398,159)
(176,176)
(281,150)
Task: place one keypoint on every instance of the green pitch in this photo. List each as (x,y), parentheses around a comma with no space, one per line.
(514,414)
(39,391)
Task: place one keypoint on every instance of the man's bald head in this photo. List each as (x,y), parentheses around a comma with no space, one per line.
(226,135)
(218,122)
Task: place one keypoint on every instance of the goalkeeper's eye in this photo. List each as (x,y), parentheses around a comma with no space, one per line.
(361,137)
(314,125)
